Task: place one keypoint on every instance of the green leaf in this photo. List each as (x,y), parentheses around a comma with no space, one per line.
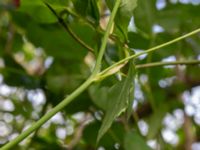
(119,100)
(188,16)
(94,10)
(133,141)
(144,15)
(21,78)
(37,10)
(138,41)
(80,104)
(88,9)
(54,39)
(62,77)
(116,135)
(99,96)
(124,14)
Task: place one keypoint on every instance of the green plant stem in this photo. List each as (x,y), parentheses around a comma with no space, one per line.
(157,64)
(149,51)
(106,36)
(48,115)
(85,85)
(76,93)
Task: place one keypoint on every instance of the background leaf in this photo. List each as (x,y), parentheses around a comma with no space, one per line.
(134,141)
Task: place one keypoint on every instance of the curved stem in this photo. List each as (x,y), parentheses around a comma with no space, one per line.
(68,29)
(157,64)
(149,50)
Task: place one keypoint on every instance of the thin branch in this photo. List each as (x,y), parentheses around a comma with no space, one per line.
(157,64)
(149,51)
(68,29)
(106,36)
(73,95)
(100,30)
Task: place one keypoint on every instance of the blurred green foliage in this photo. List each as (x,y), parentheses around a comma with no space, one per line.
(38,54)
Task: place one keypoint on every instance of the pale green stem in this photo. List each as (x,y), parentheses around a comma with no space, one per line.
(47,116)
(72,96)
(106,37)
(149,50)
(156,64)
(78,91)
